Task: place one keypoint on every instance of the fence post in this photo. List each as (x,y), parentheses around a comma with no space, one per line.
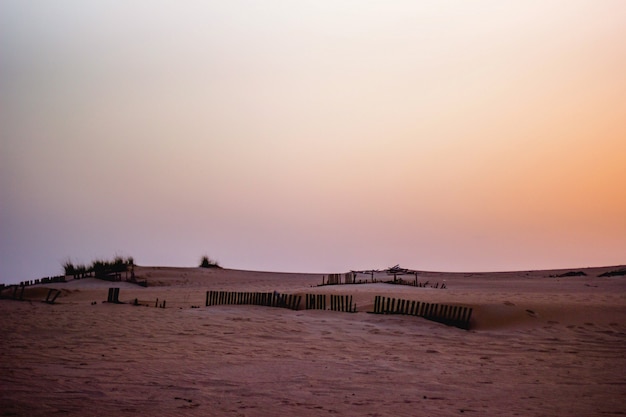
(458,315)
(463,315)
(467,321)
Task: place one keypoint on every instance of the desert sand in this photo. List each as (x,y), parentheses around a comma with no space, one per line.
(538,345)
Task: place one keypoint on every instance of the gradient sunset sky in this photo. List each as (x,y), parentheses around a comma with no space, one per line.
(312,136)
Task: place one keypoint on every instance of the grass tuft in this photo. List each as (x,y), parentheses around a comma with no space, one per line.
(99,267)
(206,262)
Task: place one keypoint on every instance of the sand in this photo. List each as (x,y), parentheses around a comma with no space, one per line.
(538,346)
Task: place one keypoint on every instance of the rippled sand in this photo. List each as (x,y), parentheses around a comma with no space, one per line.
(538,346)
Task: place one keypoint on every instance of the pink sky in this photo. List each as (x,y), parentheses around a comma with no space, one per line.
(313,136)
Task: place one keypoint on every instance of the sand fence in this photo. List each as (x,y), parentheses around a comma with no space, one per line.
(53,293)
(268,299)
(456,316)
(450,315)
(342,303)
(315,301)
(113,296)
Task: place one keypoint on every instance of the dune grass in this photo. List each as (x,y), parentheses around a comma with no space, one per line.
(98,267)
(206,262)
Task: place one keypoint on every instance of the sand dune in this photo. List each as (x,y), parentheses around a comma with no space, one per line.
(538,345)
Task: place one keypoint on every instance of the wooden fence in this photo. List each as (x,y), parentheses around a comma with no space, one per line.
(336,279)
(114,296)
(45,280)
(12,292)
(291,301)
(21,297)
(315,301)
(268,299)
(451,315)
(52,295)
(342,303)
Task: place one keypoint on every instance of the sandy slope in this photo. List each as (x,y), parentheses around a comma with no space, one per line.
(539,345)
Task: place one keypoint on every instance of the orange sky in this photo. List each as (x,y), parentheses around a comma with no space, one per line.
(313,136)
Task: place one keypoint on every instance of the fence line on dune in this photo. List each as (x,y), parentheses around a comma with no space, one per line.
(12,292)
(450,315)
(342,303)
(52,295)
(315,301)
(268,299)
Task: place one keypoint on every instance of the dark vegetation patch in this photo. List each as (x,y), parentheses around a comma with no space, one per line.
(207,262)
(99,268)
(572,274)
(615,273)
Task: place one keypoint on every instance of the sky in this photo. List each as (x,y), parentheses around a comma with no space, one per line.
(312,136)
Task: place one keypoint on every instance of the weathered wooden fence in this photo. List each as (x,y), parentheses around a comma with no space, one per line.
(21,296)
(291,301)
(315,301)
(333,279)
(268,299)
(114,295)
(336,279)
(342,303)
(13,292)
(45,280)
(451,315)
(52,296)
(16,292)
